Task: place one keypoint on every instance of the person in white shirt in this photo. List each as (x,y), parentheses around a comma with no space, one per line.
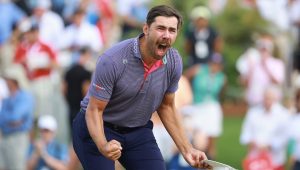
(259,65)
(276,12)
(81,34)
(264,128)
(50,24)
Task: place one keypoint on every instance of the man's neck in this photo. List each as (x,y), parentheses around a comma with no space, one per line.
(145,56)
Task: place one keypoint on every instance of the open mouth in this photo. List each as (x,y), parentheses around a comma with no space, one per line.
(163,46)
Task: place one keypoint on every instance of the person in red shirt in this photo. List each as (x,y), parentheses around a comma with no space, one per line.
(37,57)
(39,61)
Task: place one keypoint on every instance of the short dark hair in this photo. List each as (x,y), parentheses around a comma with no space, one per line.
(166,11)
(85,50)
(79,11)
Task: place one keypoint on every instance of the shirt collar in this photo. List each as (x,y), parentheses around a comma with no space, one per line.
(136,47)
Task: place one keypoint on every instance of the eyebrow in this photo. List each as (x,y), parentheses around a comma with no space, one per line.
(163,26)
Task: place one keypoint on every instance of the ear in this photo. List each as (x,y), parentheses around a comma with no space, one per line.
(145,29)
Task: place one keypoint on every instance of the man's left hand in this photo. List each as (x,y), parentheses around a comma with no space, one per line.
(195,158)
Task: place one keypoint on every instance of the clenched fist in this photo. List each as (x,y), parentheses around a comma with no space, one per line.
(112,150)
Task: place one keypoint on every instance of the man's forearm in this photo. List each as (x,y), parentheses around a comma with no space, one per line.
(94,123)
(172,122)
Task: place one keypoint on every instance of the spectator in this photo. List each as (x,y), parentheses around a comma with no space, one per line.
(39,60)
(81,34)
(46,152)
(93,12)
(207,80)
(276,12)
(100,13)
(50,24)
(77,81)
(202,40)
(259,65)
(16,121)
(264,128)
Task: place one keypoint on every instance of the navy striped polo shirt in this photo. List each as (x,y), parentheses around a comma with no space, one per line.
(119,80)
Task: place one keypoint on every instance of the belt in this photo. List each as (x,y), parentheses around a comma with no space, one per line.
(121,129)
(117,128)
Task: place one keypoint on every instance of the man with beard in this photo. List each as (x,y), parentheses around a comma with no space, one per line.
(132,80)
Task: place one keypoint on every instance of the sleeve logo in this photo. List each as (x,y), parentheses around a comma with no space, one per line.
(98,87)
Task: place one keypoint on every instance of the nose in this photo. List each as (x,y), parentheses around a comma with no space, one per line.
(166,34)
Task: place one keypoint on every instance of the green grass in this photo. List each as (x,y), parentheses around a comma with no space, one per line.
(229,150)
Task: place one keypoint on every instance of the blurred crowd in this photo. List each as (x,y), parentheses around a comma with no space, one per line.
(48,51)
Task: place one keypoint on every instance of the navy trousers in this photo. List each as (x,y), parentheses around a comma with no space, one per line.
(296,165)
(140,150)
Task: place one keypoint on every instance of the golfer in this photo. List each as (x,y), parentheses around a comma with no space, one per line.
(133,79)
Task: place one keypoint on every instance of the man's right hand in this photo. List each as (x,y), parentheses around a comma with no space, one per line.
(112,150)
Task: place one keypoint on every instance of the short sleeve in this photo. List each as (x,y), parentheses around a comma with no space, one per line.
(103,79)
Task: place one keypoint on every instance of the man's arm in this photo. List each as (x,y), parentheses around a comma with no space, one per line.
(172,121)
(94,121)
